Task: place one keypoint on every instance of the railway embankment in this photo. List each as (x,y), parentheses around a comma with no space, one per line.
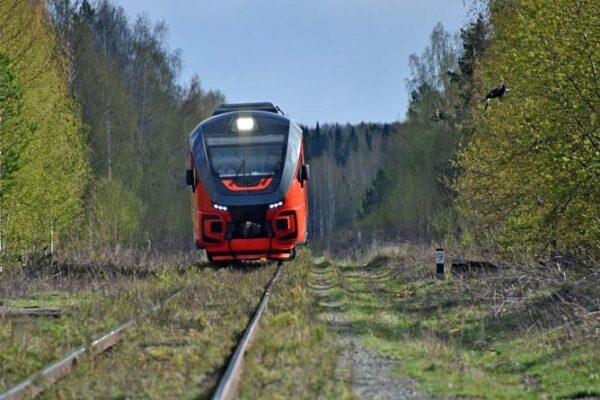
(177,350)
(87,303)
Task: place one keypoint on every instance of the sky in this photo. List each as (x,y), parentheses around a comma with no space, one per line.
(319,60)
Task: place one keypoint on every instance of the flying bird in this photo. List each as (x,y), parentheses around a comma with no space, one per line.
(499,92)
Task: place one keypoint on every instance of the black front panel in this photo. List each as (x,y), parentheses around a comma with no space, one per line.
(227,147)
(248,222)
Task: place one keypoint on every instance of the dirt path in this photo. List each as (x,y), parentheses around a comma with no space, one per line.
(367,372)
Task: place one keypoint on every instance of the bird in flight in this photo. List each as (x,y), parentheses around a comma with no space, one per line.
(498,92)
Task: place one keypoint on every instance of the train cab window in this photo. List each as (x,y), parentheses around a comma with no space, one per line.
(234,156)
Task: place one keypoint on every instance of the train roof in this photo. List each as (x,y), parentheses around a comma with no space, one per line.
(263,106)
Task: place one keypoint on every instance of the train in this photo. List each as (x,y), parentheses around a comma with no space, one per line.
(249,184)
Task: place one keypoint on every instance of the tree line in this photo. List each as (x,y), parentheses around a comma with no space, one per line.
(344,159)
(514,175)
(94,124)
(44,162)
(529,175)
(404,167)
(93,129)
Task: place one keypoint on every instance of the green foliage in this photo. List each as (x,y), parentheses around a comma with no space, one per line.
(406,201)
(44,201)
(14,133)
(375,195)
(115,215)
(125,78)
(530,172)
(397,169)
(137,119)
(344,161)
(339,147)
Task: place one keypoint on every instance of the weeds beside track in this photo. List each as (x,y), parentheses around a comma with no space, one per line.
(521,332)
(175,350)
(181,350)
(294,357)
(39,382)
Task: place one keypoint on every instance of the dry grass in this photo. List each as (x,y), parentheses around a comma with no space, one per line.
(181,351)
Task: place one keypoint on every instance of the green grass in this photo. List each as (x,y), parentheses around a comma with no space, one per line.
(515,335)
(180,351)
(90,307)
(456,345)
(293,355)
(52,299)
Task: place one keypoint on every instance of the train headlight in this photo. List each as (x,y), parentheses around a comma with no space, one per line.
(275,205)
(220,208)
(244,124)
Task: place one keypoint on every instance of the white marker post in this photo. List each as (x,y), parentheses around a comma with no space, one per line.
(439,263)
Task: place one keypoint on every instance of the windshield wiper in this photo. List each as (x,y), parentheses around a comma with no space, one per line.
(241,168)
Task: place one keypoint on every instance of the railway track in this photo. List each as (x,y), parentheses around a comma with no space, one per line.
(40,381)
(229,382)
(227,387)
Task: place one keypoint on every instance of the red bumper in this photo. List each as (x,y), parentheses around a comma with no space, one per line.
(250,249)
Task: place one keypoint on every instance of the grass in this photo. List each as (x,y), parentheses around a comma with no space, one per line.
(293,356)
(89,308)
(524,333)
(180,351)
(52,299)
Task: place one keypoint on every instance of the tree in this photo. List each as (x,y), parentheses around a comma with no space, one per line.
(475,39)
(352,141)
(339,147)
(116,214)
(376,194)
(125,78)
(45,197)
(531,169)
(14,132)
(413,192)
(369,138)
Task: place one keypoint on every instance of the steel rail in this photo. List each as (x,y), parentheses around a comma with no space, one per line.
(229,383)
(41,380)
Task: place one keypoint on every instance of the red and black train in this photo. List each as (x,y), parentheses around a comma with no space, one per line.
(249,184)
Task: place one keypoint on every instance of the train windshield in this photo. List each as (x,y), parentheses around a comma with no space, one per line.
(246,155)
